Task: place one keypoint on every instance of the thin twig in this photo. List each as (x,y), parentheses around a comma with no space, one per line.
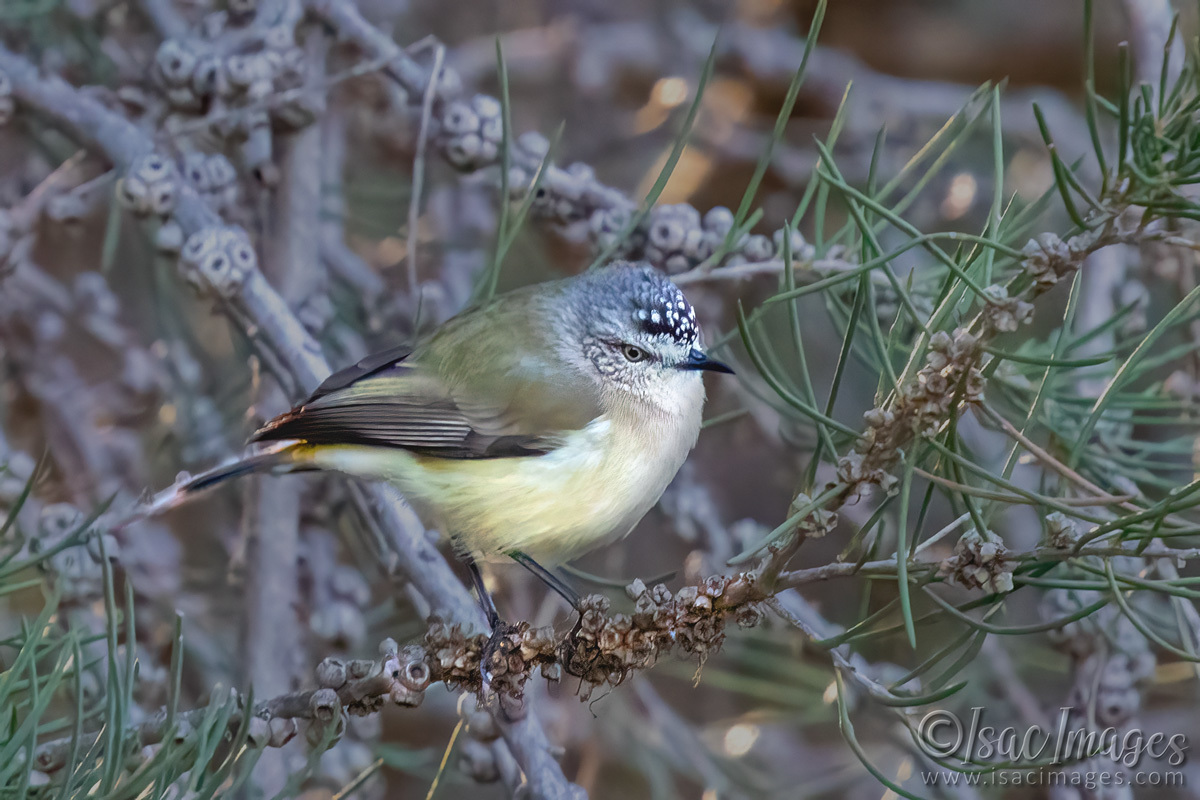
(418,174)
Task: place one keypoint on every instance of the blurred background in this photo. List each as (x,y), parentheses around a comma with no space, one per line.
(122,377)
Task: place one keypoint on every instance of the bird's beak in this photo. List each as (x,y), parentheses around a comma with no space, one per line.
(698,360)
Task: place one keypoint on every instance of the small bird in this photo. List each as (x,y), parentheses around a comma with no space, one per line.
(537,426)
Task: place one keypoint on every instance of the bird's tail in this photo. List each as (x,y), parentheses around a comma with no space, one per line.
(290,458)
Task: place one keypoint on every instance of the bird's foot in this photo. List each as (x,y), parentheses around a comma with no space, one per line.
(493,661)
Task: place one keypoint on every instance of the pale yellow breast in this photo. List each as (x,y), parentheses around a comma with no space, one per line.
(591,490)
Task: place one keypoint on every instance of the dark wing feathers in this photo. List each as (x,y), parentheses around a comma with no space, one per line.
(417,429)
(370,365)
(404,408)
(464,393)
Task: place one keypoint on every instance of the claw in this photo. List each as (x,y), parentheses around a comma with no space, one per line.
(493,661)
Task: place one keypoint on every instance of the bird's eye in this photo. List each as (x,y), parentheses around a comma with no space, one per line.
(632,353)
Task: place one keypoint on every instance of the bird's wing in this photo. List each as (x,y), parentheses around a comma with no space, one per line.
(370,365)
(471,392)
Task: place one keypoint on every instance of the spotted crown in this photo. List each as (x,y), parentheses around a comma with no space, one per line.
(662,310)
(633,294)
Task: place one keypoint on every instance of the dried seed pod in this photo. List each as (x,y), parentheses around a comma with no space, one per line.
(134,194)
(258,733)
(208,77)
(401,695)
(218,259)
(801,249)
(1005,314)
(713,586)
(666,231)
(183,729)
(176,64)
(675,239)
(492,129)
(150,186)
(1048,259)
(758,248)
(57,521)
(466,151)
(459,119)
(412,668)
(282,731)
(661,594)
(333,727)
(534,144)
(698,244)
(486,107)
(607,225)
(359,668)
(980,562)
(195,171)
(325,704)
(220,172)
(749,615)
(241,71)
(331,673)
(718,220)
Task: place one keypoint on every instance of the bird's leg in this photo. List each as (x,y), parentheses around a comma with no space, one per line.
(485,597)
(498,645)
(565,592)
(547,577)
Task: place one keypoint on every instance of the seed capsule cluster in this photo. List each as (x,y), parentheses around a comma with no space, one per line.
(604,649)
(1048,259)
(469,132)
(150,187)
(226,66)
(951,375)
(214,177)
(676,238)
(239,80)
(362,686)
(980,562)
(1004,314)
(150,190)
(218,259)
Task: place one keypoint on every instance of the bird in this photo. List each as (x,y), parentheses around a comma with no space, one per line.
(535,426)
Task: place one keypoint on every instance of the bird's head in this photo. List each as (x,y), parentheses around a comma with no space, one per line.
(636,332)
